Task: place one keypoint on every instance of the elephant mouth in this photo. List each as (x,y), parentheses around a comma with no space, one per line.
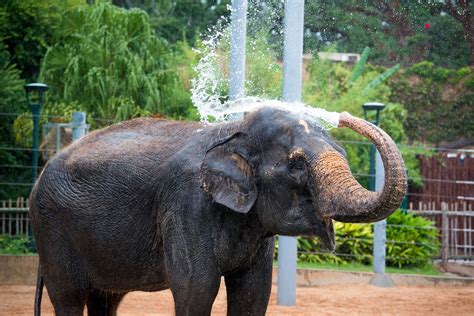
(326,234)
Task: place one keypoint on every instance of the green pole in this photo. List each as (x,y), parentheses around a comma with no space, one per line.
(368,107)
(35,110)
(38,89)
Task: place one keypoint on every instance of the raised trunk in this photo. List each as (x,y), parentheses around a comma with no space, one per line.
(341,197)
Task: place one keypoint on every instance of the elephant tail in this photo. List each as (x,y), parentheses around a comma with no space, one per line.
(39,292)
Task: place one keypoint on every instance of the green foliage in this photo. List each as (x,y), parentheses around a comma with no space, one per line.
(411,241)
(177,20)
(440,102)
(11,100)
(264,75)
(28,28)
(15,245)
(353,244)
(311,250)
(183,19)
(328,87)
(394,30)
(109,61)
(263,72)
(381,78)
(447,44)
(355,241)
(359,67)
(358,267)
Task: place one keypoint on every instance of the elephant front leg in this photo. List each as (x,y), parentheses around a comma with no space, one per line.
(248,291)
(192,274)
(194,296)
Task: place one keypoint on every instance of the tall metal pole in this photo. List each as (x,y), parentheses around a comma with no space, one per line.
(380,235)
(237,49)
(376,182)
(35,111)
(34,98)
(292,77)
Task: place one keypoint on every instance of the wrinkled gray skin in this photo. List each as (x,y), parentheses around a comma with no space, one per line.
(151,204)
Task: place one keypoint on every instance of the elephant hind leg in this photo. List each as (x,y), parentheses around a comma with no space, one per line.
(103,303)
(66,300)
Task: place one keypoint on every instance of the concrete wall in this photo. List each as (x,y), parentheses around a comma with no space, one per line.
(22,270)
(310,277)
(18,270)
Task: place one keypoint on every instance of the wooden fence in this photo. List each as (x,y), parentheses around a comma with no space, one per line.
(447,178)
(455,221)
(14,219)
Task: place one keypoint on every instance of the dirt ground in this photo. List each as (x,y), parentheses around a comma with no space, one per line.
(322,300)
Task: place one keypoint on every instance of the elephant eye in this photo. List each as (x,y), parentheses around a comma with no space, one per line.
(297,163)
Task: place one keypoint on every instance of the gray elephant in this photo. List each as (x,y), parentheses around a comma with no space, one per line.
(151,204)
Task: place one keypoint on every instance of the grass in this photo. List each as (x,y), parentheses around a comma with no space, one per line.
(357,267)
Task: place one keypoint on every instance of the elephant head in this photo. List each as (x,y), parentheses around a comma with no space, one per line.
(296,179)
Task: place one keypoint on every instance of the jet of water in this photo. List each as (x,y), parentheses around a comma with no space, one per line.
(207,88)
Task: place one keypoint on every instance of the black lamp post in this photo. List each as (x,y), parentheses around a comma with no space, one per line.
(34,98)
(368,108)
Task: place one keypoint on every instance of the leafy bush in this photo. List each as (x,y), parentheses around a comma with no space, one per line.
(354,241)
(439,100)
(15,245)
(28,28)
(12,100)
(415,240)
(411,241)
(111,63)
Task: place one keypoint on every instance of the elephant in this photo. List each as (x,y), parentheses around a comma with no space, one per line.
(152,204)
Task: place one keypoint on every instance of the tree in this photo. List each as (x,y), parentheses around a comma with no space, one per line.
(461,10)
(28,28)
(110,63)
(12,99)
(176,20)
(398,31)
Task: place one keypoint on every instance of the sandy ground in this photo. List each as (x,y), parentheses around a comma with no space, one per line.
(322,300)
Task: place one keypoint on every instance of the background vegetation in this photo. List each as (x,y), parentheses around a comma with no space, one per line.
(412,241)
(15,245)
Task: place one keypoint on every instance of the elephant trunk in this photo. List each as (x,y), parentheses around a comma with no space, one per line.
(341,197)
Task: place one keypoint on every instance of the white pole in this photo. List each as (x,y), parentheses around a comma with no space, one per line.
(292,77)
(380,278)
(237,49)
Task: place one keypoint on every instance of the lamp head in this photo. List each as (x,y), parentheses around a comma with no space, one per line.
(373,106)
(36,87)
(36,92)
(369,106)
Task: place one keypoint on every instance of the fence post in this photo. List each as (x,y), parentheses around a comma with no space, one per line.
(79,125)
(444,234)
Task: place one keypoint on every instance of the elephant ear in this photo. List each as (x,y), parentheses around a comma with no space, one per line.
(228,178)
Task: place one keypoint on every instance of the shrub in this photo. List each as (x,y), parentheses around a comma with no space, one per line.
(12,99)
(111,63)
(15,245)
(439,101)
(411,241)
